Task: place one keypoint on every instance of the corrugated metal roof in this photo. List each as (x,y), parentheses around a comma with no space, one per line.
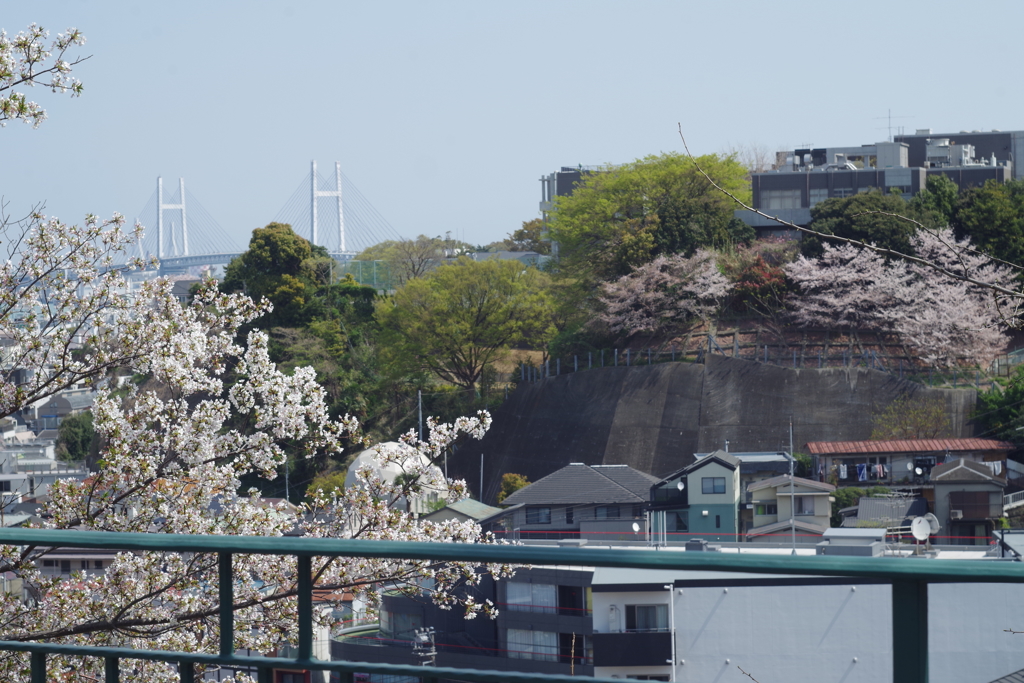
(906,446)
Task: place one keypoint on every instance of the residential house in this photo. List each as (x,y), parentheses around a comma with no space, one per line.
(595,502)
(899,462)
(968,500)
(779,500)
(700,500)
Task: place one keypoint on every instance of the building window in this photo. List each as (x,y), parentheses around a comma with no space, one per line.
(530,597)
(817,196)
(678,521)
(569,514)
(526,644)
(804,505)
(718,521)
(606,512)
(712,485)
(644,618)
(538,515)
(780,199)
(767,509)
(5,486)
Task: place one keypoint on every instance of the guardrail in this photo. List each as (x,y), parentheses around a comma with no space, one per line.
(909,581)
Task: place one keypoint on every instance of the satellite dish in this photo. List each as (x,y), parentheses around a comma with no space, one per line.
(636,528)
(680,485)
(918,471)
(920,528)
(933,522)
(910,466)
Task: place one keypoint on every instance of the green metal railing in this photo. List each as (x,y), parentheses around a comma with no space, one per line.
(909,579)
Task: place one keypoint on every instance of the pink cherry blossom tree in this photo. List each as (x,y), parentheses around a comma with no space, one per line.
(944,319)
(664,294)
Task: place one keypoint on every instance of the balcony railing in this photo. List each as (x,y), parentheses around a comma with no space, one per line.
(910,581)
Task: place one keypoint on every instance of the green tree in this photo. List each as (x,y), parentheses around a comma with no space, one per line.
(861,217)
(528,238)
(913,417)
(272,268)
(462,317)
(510,483)
(940,196)
(327,482)
(625,217)
(1000,413)
(75,437)
(993,217)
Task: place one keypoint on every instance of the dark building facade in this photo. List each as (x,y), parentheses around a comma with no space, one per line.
(803,178)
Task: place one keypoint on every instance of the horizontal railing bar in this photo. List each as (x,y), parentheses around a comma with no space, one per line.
(922,569)
(242,661)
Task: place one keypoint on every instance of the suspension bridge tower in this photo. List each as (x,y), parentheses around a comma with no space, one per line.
(160,208)
(314,193)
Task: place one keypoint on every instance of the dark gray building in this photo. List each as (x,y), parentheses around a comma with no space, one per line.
(803,178)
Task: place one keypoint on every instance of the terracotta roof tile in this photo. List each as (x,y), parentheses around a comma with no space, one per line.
(906,446)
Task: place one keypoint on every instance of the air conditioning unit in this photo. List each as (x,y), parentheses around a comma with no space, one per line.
(956,514)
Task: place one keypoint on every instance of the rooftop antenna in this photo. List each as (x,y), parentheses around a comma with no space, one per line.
(889,117)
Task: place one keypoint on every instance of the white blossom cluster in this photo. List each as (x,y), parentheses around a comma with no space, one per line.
(25,61)
(668,290)
(211,410)
(943,319)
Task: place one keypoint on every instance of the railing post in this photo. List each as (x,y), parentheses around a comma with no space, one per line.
(111,670)
(227,603)
(305,588)
(187,672)
(910,631)
(38,661)
(265,675)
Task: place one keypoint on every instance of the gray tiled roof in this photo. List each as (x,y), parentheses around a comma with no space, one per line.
(633,480)
(579,484)
(963,470)
(887,510)
(474,508)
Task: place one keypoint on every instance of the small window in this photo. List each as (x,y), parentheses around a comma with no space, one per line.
(606,512)
(5,486)
(65,566)
(538,515)
(804,505)
(718,521)
(712,485)
(767,509)
(569,516)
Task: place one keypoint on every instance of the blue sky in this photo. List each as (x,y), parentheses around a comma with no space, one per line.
(445,114)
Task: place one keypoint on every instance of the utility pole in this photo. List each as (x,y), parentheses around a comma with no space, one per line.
(792,488)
